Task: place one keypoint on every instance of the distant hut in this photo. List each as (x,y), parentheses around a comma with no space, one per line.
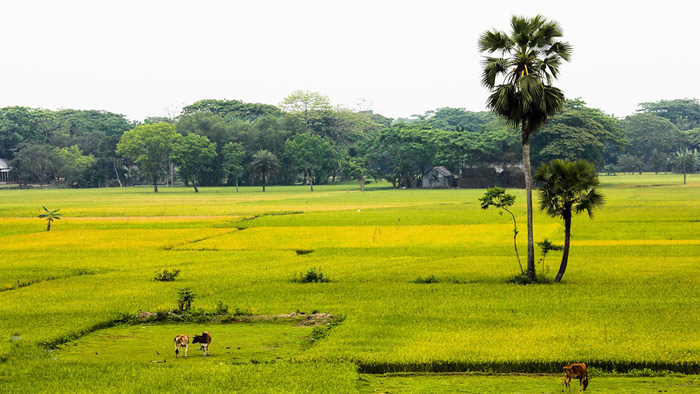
(5,174)
(438,178)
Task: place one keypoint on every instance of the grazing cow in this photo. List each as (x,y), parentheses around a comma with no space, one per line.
(180,341)
(575,371)
(205,340)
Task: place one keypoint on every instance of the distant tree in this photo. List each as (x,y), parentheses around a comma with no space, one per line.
(233,154)
(687,161)
(231,110)
(264,165)
(23,125)
(457,119)
(357,168)
(630,164)
(684,113)
(34,163)
(652,139)
(498,198)
(193,155)
(568,188)
(308,105)
(309,151)
(218,131)
(50,216)
(149,146)
(579,132)
(72,164)
(529,61)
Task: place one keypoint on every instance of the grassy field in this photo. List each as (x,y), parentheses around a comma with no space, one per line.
(628,300)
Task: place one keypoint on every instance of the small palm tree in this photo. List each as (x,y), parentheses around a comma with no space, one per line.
(50,216)
(568,187)
(263,166)
(520,82)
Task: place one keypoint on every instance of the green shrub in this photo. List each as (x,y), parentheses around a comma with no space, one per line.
(312,275)
(427,279)
(166,276)
(184,299)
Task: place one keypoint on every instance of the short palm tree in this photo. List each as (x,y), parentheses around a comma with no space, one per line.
(263,166)
(50,216)
(568,188)
(520,82)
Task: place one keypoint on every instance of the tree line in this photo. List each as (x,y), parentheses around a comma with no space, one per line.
(306,140)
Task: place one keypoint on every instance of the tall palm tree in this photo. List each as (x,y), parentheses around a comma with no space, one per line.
(568,188)
(520,82)
(50,216)
(263,166)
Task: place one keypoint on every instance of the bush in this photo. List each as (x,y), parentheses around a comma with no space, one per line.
(166,276)
(221,308)
(312,275)
(184,299)
(427,279)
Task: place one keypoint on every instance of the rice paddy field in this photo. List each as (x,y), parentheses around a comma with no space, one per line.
(73,300)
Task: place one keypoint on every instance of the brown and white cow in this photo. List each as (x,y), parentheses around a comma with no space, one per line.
(575,371)
(205,340)
(181,341)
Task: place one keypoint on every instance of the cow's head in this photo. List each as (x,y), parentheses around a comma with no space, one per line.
(584,382)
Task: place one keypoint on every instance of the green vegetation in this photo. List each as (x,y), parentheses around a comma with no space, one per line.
(520,83)
(568,188)
(73,289)
(50,216)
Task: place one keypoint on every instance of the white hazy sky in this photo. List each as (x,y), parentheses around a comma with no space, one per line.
(149,58)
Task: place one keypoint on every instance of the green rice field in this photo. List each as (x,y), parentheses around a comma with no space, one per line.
(72,300)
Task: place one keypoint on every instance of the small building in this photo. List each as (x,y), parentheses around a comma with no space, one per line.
(438,178)
(5,174)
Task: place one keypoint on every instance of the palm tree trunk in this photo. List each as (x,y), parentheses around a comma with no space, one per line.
(567,240)
(48,225)
(155,185)
(263,181)
(236,184)
(195,187)
(528,191)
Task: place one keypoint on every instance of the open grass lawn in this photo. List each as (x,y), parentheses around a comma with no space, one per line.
(629,300)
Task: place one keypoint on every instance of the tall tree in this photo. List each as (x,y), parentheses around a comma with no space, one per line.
(520,82)
(149,146)
(193,155)
(309,151)
(652,138)
(233,154)
(72,165)
(230,110)
(217,130)
(684,113)
(263,166)
(568,188)
(34,163)
(308,105)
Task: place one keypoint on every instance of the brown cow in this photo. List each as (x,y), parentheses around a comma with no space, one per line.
(205,340)
(180,341)
(575,371)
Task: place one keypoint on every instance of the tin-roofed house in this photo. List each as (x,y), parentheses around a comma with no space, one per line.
(6,174)
(438,178)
